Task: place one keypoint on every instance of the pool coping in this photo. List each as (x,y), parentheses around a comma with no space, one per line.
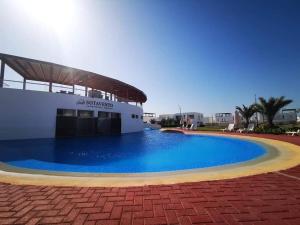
(280,156)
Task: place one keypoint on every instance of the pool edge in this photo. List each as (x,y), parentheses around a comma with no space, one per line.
(287,156)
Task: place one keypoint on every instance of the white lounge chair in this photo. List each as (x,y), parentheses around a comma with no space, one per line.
(185,127)
(250,128)
(229,128)
(191,127)
(293,133)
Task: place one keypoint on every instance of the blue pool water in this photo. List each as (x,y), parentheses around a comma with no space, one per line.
(148,151)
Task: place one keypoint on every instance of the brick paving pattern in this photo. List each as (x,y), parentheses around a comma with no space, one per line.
(272,198)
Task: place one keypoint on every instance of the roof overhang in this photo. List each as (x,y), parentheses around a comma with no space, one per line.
(37,70)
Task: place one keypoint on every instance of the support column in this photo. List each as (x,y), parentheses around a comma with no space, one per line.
(50,87)
(73,90)
(24,84)
(2,73)
(86,91)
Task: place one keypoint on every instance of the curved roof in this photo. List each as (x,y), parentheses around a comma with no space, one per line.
(36,70)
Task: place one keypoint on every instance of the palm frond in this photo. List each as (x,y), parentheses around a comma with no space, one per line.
(272,106)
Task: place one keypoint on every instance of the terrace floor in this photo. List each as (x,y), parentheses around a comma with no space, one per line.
(272,198)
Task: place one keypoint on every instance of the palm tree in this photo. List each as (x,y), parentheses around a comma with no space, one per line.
(271,107)
(247,112)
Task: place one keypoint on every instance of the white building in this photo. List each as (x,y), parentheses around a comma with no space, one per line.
(166,116)
(40,114)
(285,116)
(208,120)
(148,117)
(185,118)
(224,118)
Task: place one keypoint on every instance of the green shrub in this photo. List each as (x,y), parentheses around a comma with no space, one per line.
(293,128)
(265,129)
(169,123)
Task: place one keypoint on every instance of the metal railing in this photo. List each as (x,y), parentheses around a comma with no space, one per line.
(56,88)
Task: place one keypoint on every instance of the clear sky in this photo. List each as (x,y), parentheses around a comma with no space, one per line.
(207,55)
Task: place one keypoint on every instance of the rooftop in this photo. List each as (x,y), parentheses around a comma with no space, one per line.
(37,70)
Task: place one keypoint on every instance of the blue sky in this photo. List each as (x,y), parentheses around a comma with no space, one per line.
(207,56)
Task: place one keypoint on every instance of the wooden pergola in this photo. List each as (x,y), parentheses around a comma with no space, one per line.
(36,70)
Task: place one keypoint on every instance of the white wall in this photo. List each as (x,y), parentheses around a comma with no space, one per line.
(32,114)
(224,118)
(166,116)
(209,120)
(147,119)
(280,117)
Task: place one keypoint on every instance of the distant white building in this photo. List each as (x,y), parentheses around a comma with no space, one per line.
(237,118)
(285,116)
(147,117)
(166,116)
(209,120)
(185,118)
(224,118)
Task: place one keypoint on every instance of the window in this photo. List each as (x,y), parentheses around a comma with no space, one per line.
(103,114)
(132,116)
(142,117)
(85,113)
(66,112)
(116,115)
(136,116)
(191,116)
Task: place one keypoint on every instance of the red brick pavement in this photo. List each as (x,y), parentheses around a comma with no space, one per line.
(272,198)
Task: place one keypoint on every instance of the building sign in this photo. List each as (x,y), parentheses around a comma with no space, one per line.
(95,104)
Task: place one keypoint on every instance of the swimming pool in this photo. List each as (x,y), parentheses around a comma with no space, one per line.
(148,151)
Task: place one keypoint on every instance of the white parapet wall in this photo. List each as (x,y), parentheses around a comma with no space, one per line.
(26,114)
